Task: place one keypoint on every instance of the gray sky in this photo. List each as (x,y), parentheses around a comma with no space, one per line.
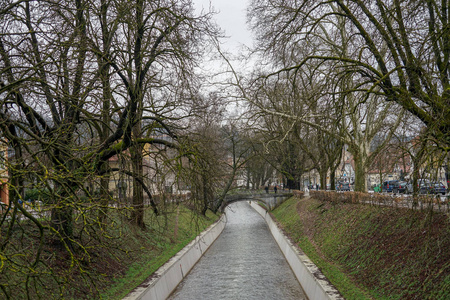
(231,18)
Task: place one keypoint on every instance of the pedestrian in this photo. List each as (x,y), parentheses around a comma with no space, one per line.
(275,189)
(267,189)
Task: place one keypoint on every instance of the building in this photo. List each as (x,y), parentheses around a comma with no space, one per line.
(159,172)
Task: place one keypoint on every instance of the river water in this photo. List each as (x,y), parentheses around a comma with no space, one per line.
(243,263)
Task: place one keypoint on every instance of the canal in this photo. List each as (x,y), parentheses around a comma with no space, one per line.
(243,263)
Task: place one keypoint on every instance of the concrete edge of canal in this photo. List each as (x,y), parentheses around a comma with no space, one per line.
(313,282)
(162,283)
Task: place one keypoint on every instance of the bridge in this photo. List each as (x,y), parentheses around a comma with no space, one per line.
(271,200)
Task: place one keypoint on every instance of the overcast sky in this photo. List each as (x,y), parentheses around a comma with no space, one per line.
(231,18)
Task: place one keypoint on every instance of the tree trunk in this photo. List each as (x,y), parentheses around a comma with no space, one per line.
(333,180)
(225,191)
(62,221)
(323,178)
(291,183)
(417,161)
(137,215)
(104,133)
(204,194)
(104,195)
(247,187)
(360,173)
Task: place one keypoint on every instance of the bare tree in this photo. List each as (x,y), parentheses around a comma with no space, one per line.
(400,48)
(80,82)
(327,91)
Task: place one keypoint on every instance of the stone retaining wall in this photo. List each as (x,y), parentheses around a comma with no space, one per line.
(313,282)
(162,283)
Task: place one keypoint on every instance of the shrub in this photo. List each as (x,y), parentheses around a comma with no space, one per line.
(298,193)
(37,195)
(419,201)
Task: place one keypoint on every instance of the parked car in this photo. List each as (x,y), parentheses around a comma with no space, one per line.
(390,185)
(426,188)
(438,188)
(421,184)
(343,186)
(400,188)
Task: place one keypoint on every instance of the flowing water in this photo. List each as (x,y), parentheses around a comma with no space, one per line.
(243,263)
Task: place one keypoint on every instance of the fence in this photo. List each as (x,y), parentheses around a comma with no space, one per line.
(422,202)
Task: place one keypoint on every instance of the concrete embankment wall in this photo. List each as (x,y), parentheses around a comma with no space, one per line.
(166,278)
(313,282)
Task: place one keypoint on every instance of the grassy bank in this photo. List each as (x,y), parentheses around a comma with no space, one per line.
(101,263)
(372,252)
(165,236)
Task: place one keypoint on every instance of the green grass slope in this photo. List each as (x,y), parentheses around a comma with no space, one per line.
(166,236)
(371,252)
(104,263)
